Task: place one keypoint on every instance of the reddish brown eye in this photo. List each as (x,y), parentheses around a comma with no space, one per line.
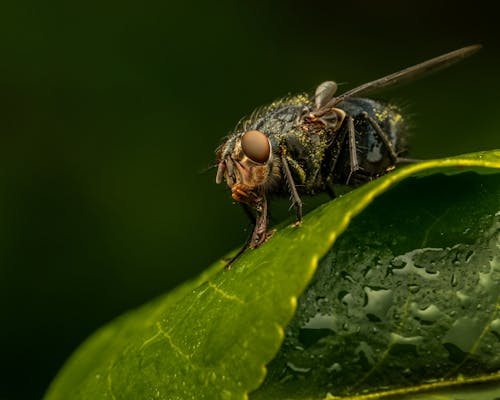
(256,146)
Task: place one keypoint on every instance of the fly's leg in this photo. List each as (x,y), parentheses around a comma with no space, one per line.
(348,134)
(249,214)
(383,136)
(388,144)
(259,233)
(297,169)
(353,153)
(337,145)
(240,252)
(296,201)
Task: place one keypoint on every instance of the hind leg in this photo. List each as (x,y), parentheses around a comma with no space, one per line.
(383,136)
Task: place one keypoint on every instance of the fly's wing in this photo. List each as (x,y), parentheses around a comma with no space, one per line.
(407,74)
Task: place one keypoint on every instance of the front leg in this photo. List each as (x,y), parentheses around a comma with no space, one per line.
(260,234)
(240,252)
(297,202)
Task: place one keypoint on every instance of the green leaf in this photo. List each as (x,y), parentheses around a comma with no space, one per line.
(212,337)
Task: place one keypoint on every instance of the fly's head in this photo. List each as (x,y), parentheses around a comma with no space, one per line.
(245,163)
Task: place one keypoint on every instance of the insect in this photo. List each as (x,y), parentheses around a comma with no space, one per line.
(306,144)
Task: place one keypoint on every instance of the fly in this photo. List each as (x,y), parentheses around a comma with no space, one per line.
(307,144)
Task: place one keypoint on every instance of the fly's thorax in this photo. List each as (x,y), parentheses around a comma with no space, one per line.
(279,117)
(306,148)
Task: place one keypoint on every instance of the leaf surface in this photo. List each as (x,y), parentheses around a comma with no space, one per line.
(212,337)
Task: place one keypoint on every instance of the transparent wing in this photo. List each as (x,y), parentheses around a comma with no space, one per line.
(407,74)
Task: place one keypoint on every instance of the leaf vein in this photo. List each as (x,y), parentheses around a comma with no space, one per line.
(225,294)
(147,342)
(425,387)
(176,348)
(110,385)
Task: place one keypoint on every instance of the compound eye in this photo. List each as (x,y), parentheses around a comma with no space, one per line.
(256,146)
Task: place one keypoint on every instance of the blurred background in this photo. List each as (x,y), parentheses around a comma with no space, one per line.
(110,111)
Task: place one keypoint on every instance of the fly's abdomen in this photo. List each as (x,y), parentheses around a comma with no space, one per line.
(373,156)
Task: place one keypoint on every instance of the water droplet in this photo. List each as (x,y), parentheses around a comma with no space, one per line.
(431,313)
(316,328)
(413,288)
(365,355)
(335,367)
(378,302)
(464,298)
(485,280)
(296,368)
(495,326)
(321,301)
(321,321)
(463,333)
(347,277)
(413,340)
(347,299)
(398,262)
(419,262)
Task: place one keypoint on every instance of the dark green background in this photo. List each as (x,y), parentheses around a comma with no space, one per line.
(110,110)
